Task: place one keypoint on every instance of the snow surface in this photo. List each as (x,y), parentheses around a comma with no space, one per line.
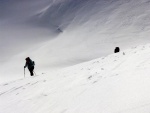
(118,83)
(62,33)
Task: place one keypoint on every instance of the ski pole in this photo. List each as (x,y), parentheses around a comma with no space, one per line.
(24,72)
(34,73)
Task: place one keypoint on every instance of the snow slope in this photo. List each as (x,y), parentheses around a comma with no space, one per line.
(118,83)
(94,28)
(61,33)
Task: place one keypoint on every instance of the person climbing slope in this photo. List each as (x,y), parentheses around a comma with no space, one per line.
(30,64)
(117,49)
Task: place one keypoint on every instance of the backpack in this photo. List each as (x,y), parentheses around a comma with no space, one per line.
(33,63)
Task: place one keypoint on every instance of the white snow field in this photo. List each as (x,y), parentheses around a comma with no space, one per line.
(62,33)
(118,83)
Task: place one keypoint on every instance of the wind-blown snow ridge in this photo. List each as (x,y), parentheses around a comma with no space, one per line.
(118,83)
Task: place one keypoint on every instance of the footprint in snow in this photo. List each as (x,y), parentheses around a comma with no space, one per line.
(89,77)
(17,94)
(44,80)
(102,68)
(5,84)
(95,82)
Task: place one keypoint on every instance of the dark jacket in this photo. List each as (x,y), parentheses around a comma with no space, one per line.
(29,64)
(117,49)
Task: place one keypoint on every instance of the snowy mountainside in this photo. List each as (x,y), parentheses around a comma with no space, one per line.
(90,29)
(62,33)
(118,83)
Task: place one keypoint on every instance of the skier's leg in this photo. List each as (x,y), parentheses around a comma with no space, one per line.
(31,71)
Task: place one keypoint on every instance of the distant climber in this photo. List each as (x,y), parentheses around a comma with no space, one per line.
(30,64)
(117,49)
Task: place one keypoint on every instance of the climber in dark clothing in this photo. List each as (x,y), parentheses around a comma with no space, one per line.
(30,64)
(117,49)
